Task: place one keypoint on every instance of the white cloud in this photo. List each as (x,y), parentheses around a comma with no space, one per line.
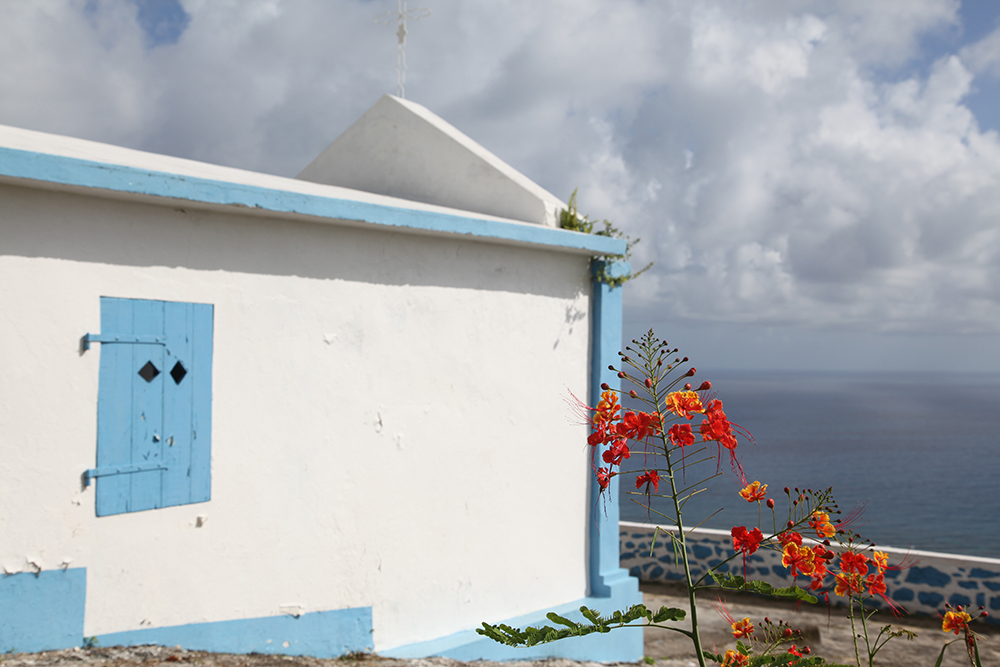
(778,167)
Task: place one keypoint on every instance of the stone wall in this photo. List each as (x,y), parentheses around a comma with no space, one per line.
(922,583)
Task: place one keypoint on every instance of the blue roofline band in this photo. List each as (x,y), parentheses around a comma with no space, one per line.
(76,172)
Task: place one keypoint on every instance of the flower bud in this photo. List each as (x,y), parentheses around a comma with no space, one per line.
(770,503)
(705,386)
(621,374)
(605,386)
(806,650)
(685,359)
(633,394)
(687,387)
(788,491)
(649,383)
(767,620)
(791,524)
(691,372)
(985,614)
(787,633)
(611,368)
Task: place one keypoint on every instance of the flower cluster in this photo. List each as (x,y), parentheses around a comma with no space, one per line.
(765,640)
(613,429)
(956,619)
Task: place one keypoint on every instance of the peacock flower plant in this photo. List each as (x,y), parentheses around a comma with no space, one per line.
(679,428)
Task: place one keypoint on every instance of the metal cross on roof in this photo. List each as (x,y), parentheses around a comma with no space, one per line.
(400,16)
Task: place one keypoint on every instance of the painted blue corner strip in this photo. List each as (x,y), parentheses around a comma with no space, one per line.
(63,170)
(42,612)
(606,576)
(321,634)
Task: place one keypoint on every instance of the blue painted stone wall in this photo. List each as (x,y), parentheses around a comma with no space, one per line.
(924,583)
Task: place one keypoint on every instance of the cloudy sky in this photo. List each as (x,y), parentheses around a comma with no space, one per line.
(817,182)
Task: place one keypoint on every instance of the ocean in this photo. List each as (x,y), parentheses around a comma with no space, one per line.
(919,452)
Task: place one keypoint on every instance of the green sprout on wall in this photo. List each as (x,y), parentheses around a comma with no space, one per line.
(570,218)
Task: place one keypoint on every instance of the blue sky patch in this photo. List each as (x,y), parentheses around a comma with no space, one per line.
(163,21)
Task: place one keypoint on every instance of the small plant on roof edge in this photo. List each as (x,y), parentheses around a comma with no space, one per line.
(570,218)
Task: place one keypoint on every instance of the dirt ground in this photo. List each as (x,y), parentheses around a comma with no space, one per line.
(826,630)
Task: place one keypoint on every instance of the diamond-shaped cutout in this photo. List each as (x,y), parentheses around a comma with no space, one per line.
(178,372)
(148,372)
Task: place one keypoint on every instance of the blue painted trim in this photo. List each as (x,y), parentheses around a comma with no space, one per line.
(617,646)
(44,611)
(69,171)
(321,634)
(606,577)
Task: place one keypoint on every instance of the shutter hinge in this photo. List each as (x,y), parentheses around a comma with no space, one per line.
(120,338)
(120,470)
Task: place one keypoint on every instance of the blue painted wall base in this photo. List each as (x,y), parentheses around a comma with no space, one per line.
(42,612)
(321,634)
(617,646)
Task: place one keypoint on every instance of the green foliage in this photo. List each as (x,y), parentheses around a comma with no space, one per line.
(91,642)
(532,636)
(570,218)
(736,582)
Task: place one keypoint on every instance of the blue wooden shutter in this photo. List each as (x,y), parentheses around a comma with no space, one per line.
(154,419)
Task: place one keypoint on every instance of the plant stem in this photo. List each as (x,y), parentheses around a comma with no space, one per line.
(864,626)
(854,630)
(695,635)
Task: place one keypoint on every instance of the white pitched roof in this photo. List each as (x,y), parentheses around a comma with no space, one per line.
(401,149)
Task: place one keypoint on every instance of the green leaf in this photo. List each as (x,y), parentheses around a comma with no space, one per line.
(736,582)
(591,615)
(561,620)
(669,614)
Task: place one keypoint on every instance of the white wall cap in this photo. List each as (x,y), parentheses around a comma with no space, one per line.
(401,149)
(94,151)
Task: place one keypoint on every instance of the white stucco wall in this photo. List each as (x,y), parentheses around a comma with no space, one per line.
(388,418)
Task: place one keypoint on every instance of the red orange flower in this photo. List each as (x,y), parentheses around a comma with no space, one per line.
(821,523)
(876,584)
(880,560)
(651,477)
(638,425)
(754,492)
(747,541)
(604,477)
(735,659)
(790,536)
(617,452)
(684,403)
(742,628)
(681,435)
(820,567)
(955,621)
(717,427)
(848,584)
(798,559)
(852,562)
(607,409)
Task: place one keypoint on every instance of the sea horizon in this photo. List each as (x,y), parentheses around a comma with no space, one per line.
(917,453)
